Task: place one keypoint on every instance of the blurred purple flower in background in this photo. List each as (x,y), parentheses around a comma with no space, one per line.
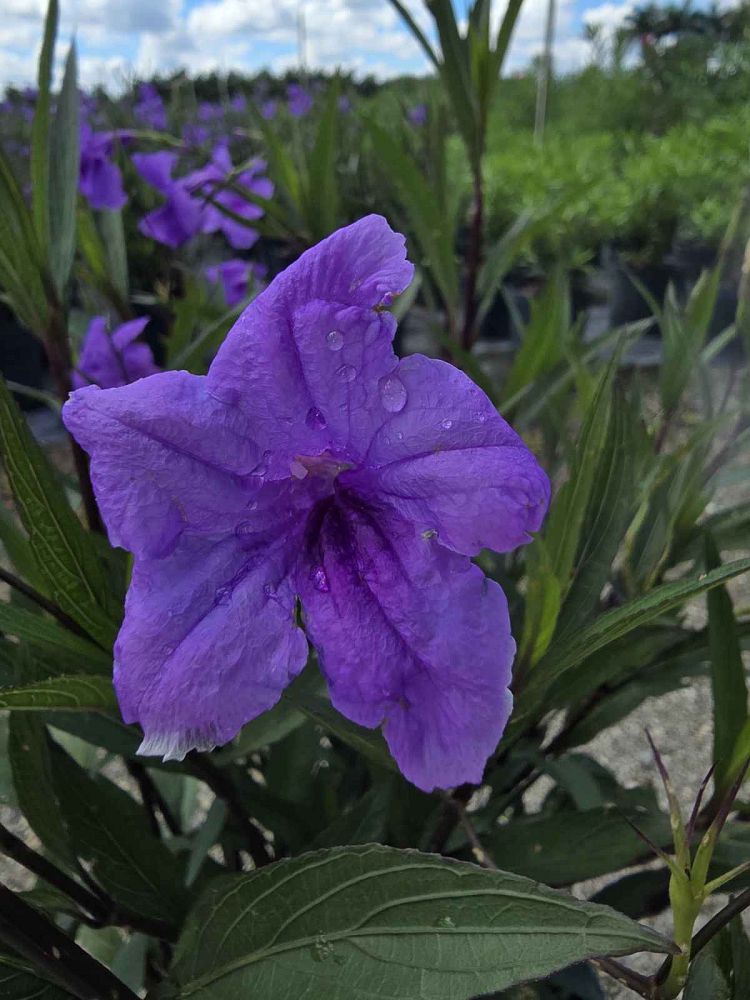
(208,112)
(195,135)
(418,115)
(344,104)
(311,464)
(238,103)
(150,107)
(109,359)
(188,211)
(269,109)
(234,277)
(99,179)
(299,100)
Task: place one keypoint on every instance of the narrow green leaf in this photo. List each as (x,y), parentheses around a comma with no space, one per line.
(417,32)
(505,33)
(322,183)
(21,267)
(48,634)
(75,692)
(456,76)
(544,336)
(374,922)
(19,982)
(29,752)
(205,839)
(611,626)
(113,237)
(63,179)
(40,131)
(65,554)
(728,685)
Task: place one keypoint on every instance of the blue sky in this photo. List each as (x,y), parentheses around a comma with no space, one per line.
(119,39)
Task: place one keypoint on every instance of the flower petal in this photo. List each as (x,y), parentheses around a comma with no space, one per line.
(208,642)
(304,359)
(410,634)
(165,455)
(447,461)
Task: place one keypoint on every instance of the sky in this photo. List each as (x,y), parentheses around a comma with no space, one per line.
(122,39)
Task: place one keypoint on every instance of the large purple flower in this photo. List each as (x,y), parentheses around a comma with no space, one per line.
(311,464)
(113,358)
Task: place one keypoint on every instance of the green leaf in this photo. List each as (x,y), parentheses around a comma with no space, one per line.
(505,33)
(728,684)
(65,554)
(113,238)
(29,751)
(18,982)
(608,627)
(322,192)
(63,179)
(705,980)
(75,692)
(740,944)
(18,550)
(21,270)
(540,846)
(40,131)
(264,731)
(375,922)
(456,78)
(544,336)
(363,823)
(205,839)
(417,32)
(46,633)
(110,831)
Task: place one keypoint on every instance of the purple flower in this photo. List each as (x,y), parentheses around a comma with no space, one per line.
(110,359)
(418,115)
(344,104)
(99,179)
(189,208)
(269,109)
(208,112)
(312,465)
(235,277)
(195,135)
(150,107)
(238,103)
(299,100)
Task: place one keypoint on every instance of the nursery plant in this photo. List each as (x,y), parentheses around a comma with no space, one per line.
(304,645)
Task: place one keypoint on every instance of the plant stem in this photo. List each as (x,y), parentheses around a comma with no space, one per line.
(474,262)
(734,907)
(153,799)
(59,959)
(634,980)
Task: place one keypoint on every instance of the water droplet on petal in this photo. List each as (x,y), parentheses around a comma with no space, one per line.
(399,436)
(269,591)
(262,467)
(446,424)
(334,340)
(429,533)
(392,393)
(320,580)
(481,417)
(297,469)
(347,373)
(444,922)
(244,528)
(315,419)
(223,595)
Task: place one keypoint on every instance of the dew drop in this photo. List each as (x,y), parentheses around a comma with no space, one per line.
(244,528)
(347,373)
(446,424)
(444,922)
(223,595)
(320,580)
(334,340)
(297,469)
(482,418)
(392,393)
(429,533)
(269,591)
(315,419)
(399,436)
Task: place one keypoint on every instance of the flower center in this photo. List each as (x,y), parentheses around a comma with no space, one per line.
(324,466)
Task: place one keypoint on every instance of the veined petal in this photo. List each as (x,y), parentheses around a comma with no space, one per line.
(308,353)
(165,456)
(411,635)
(448,462)
(208,642)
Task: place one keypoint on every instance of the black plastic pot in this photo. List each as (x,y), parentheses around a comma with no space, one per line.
(22,357)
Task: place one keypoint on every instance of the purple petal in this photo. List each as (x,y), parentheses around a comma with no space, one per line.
(447,461)
(305,359)
(411,635)
(208,642)
(126,333)
(175,222)
(156,169)
(165,455)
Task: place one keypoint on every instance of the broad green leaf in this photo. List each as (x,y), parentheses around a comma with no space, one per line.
(364,822)
(608,627)
(65,554)
(40,130)
(639,894)
(110,831)
(205,838)
(29,751)
(740,944)
(48,634)
(728,685)
(18,550)
(72,693)
(375,922)
(540,846)
(63,178)
(706,980)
